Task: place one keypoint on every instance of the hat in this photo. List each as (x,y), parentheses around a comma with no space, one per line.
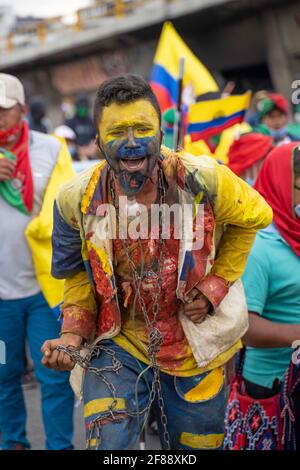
(247,150)
(273,101)
(11,91)
(65,132)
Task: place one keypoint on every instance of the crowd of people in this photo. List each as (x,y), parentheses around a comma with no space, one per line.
(205,338)
(77,127)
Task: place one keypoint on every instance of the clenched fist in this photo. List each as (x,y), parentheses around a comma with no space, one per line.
(58,360)
(197,306)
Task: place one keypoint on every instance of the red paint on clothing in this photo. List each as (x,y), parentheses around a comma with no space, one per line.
(107,318)
(102,280)
(175,346)
(89,235)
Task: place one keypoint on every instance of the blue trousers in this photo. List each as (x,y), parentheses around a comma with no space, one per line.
(192,423)
(31,318)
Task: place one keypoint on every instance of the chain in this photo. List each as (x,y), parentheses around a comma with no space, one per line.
(84,362)
(155,338)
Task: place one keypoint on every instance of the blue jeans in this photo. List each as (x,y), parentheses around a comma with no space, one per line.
(31,318)
(197,424)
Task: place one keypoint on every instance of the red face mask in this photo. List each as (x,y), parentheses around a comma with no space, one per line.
(7,135)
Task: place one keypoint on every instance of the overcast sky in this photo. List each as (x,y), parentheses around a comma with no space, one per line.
(45,8)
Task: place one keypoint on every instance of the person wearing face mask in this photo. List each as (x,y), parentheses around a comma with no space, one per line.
(32,166)
(82,124)
(272,285)
(273,114)
(247,154)
(145,301)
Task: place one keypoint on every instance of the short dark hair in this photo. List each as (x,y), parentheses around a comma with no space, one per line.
(123,89)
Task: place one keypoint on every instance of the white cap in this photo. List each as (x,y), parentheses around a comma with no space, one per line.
(65,132)
(11,91)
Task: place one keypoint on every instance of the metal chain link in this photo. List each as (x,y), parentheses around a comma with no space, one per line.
(84,362)
(155,337)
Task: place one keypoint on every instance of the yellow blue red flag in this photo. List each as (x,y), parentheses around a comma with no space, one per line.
(164,77)
(208,118)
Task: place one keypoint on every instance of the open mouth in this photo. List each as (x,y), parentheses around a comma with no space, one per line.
(133,164)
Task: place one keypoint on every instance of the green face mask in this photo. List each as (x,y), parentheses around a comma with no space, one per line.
(82,111)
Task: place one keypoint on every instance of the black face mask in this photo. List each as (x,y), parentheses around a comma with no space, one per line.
(142,152)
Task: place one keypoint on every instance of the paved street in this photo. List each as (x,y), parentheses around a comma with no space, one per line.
(35,428)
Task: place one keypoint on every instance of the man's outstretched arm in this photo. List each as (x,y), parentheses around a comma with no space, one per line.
(79,309)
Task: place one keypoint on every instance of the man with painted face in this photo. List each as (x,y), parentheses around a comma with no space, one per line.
(133,153)
(32,166)
(148,307)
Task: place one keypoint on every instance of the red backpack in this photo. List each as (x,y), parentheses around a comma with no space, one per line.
(261,424)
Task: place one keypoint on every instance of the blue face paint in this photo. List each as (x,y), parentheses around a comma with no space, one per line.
(121,153)
(126,150)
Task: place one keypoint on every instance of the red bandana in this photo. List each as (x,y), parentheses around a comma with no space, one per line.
(275,184)
(247,150)
(23,173)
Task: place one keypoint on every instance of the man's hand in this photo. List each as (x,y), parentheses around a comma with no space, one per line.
(197,306)
(59,360)
(7,168)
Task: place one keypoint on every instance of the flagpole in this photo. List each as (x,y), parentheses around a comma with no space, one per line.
(178,113)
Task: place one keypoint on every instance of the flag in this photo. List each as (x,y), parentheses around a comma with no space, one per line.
(208,118)
(164,78)
(39,231)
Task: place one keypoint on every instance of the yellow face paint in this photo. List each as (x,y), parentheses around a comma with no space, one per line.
(116,119)
(130,140)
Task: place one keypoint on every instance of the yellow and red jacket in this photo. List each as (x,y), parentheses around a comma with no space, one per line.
(83,255)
